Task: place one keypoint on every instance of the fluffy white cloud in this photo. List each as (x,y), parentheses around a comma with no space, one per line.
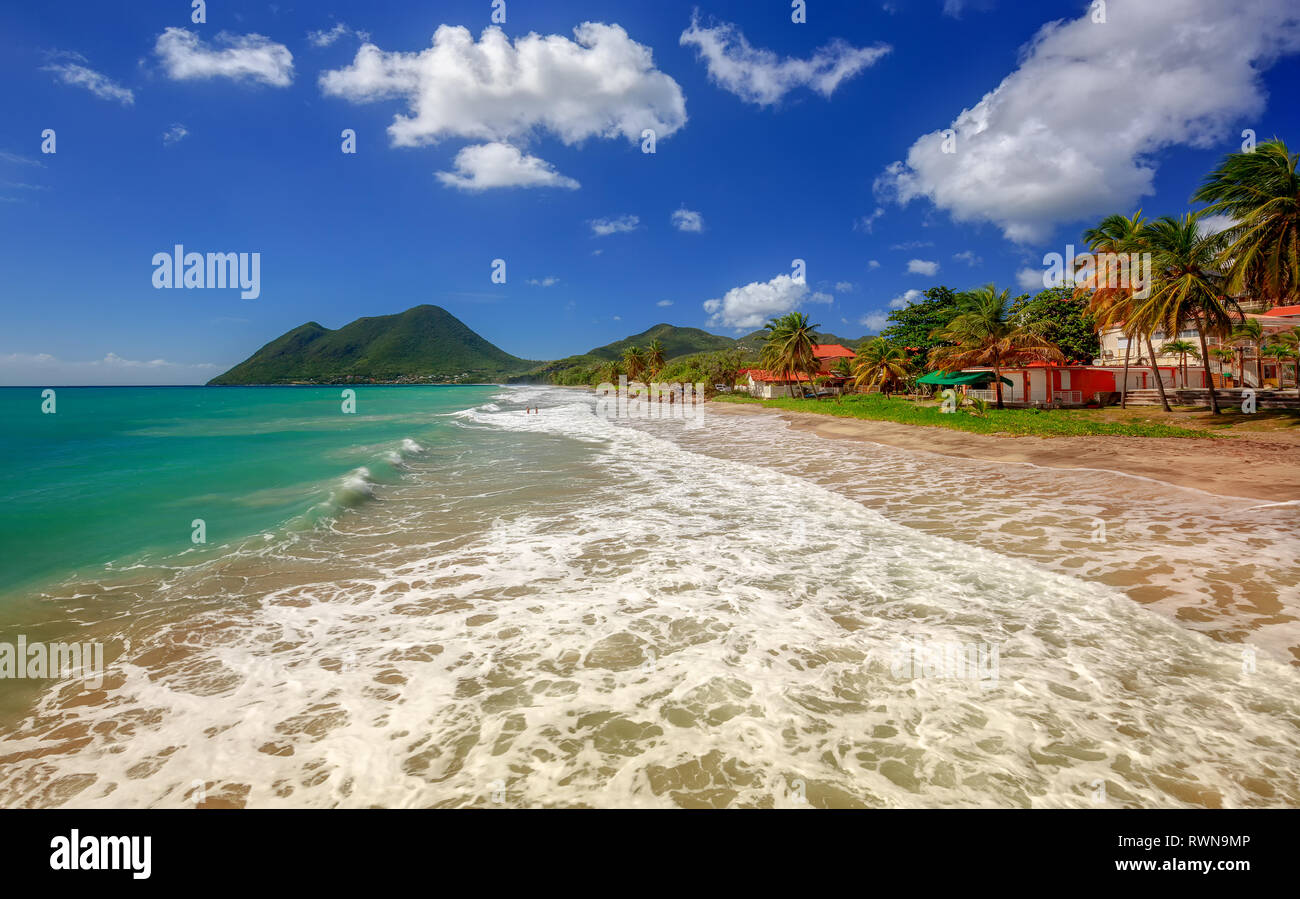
(875,321)
(905,299)
(1029,155)
(761,77)
(1031,278)
(843,286)
(620,225)
(98,84)
(664,303)
(968,257)
(873,263)
(602,84)
(175,133)
(549,281)
(751,306)
(249,57)
(44,370)
(922,267)
(686,220)
(485,166)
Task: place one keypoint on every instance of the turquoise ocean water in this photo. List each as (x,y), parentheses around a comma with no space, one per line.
(120,474)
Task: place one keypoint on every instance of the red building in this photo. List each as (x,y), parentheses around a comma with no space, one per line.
(1075,385)
(767,385)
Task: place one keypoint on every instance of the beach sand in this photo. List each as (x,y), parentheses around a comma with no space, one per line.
(1263,466)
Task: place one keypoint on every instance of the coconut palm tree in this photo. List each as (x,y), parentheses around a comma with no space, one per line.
(1249,331)
(879,364)
(985,334)
(788,351)
(610,371)
(1222,354)
(1188,285)
(1182,349)
(634,363)
(654,359)
(1260,192)
(1110,287)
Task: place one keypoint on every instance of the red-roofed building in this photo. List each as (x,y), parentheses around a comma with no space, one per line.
(766,384)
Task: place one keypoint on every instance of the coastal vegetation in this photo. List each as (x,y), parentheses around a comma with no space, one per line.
(986,334)
(1013,422)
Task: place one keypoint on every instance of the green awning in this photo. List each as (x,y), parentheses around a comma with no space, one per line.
(960,378)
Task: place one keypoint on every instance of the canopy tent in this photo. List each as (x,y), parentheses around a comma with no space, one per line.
(960,378)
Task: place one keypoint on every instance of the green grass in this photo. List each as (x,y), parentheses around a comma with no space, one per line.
(1019,422)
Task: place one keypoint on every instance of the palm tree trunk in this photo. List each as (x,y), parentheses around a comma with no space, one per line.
(1155,371)
(997,384)
(1205,354)
(1123,391)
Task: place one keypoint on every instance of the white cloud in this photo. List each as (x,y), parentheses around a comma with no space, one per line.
(751,306)
(843,286)
(6,156)
(968,257)
(1213,224)
(912,245)
(324,38)
(249,57)
(867,222)
(620,225)
(873,263)
(664,303)
(922,267)
(905,299)
(1029,155)
(485,166)
(44,370)
(549,281)
(1030,278)
(603,84)
(175,133)
(875,321)
(686,220)
(98,84)
(761,77)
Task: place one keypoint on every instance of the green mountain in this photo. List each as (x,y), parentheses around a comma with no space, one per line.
(425,344)
(429,345)
(676,342)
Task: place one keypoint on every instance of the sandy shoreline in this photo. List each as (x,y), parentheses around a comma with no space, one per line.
(1255,467)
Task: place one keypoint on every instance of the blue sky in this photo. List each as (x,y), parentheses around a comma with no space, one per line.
(775,141)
